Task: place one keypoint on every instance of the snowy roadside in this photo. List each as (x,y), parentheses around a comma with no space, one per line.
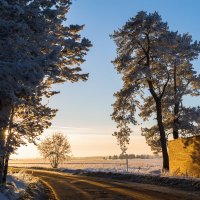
(16,186)
(154,177)
(21,186)
(178,182)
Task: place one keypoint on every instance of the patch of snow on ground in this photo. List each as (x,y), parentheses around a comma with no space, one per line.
(16,186)
(136,166)
(132,170)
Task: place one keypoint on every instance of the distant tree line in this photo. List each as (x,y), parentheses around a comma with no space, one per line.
(131,156)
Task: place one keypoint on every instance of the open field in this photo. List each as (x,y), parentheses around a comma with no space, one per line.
(151,166)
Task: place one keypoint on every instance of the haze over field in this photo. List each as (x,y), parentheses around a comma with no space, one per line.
(89,145)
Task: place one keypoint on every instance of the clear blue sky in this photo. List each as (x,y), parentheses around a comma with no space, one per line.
(85,108)
(87,104)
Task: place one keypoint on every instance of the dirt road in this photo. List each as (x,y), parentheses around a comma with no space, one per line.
(76,187)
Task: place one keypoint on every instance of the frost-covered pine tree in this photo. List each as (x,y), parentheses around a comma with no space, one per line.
(35,49)
(26,123)
(179,120)
(184,82)
(142,49)
(156,69)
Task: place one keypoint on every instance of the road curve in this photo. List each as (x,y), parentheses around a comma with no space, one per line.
(77,187)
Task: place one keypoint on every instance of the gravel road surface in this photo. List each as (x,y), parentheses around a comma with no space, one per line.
(77,187)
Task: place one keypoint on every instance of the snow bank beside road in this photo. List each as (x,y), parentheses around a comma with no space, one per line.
(152,177)
(16,186)
(184,183)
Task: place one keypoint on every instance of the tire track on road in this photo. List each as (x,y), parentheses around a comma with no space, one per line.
(77,187)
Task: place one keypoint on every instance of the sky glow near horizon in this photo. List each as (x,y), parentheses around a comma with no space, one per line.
(85,108)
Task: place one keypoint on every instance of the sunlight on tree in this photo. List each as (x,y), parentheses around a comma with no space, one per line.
(55,148)
(37,51)
(156,69)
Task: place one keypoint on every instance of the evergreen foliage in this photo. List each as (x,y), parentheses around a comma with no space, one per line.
(37,50)
(157,72)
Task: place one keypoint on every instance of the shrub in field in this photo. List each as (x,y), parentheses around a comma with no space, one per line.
(55,148)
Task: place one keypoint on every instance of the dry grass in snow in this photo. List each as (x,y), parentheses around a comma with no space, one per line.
(16,186)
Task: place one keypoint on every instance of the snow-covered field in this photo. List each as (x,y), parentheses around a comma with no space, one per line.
(140,171)
(17,184)
(146,166)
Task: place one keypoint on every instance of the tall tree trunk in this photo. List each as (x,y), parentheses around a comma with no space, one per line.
(175,122)
(7,144)
(1,169)
(163,140)
(5,110)
(5,172)
(158,100)
(2,154)
(176,106)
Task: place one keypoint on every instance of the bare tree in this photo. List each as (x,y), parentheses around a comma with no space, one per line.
(123,141)
(55,148)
